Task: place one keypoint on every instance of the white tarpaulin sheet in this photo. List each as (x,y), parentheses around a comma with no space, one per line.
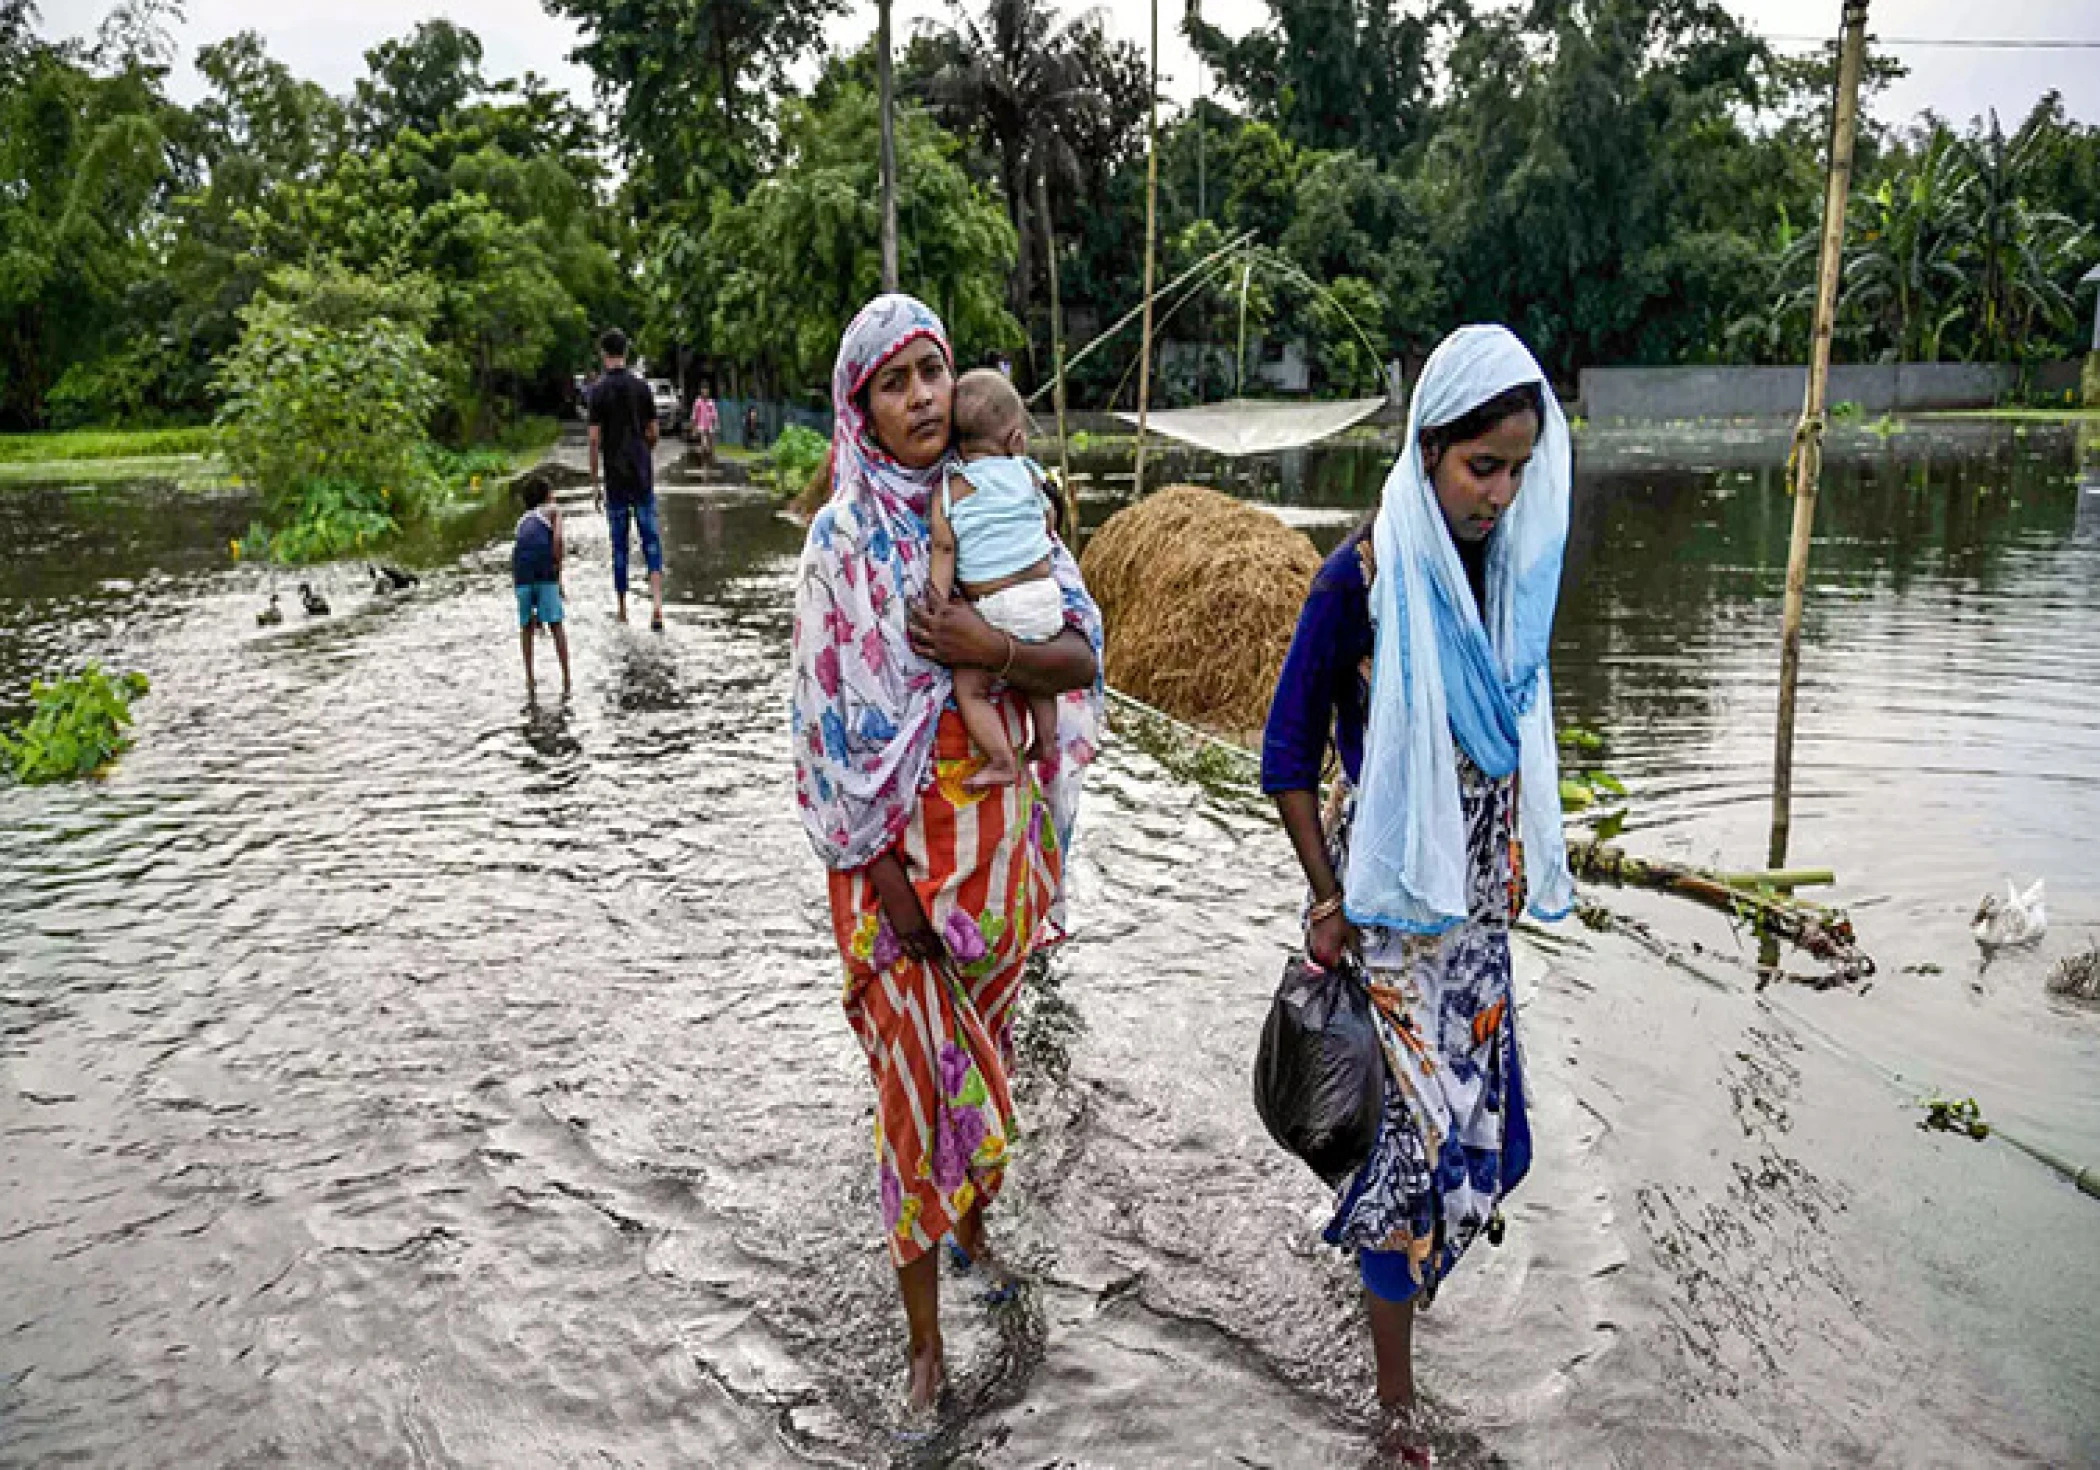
(1257,426)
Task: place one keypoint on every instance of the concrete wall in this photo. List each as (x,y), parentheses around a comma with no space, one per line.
(1776,392)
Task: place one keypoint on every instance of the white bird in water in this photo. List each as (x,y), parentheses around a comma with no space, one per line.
(2018,918)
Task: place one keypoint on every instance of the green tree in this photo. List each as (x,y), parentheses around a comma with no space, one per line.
(690,84)
(1261,181)
(2026,257)
(325,401)
(1328,74)
(1035,88)
(798,257)
(2062,172)
(1341,317)
(1564,181)
(1350,219)
(1910,242)
(419,81)
(499,208)
(89,147)
(258,129)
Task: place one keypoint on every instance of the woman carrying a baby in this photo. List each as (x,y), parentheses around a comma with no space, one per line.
(941,885)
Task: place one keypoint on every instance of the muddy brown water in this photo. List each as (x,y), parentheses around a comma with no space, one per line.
(394,1074)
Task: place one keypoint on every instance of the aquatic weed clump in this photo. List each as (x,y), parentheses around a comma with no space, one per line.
(76,727)
(793,461)
(2077,976)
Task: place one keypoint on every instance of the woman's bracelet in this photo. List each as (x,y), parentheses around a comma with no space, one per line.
(1326,908)
(1012,647)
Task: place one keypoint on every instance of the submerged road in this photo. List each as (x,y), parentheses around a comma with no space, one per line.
(394,1074)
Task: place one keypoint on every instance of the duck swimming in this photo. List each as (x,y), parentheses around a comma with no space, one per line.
(387,579)
(270,616)
(316,605)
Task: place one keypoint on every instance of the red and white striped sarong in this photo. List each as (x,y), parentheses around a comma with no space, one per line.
(986,865)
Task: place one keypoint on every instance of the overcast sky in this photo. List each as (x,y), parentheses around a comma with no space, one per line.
(326,40)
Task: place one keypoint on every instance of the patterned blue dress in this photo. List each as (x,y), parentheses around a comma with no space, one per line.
(1454,1138)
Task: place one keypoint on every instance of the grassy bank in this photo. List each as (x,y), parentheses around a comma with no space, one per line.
(194,471)
(94,444)
(2017,415)
(186,456)
(109,456)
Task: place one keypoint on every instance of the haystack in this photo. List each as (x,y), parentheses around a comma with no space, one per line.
(1199,595)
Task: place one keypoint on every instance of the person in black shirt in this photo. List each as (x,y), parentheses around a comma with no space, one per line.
(623,440)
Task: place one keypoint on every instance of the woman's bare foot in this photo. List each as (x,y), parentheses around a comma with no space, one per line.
(1401,1440)
(970,1235)
(927,1376)
(983,1263)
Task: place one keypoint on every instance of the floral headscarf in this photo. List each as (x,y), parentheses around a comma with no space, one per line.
(865,706)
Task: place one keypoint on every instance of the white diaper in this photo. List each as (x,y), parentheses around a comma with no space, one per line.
(1033,611)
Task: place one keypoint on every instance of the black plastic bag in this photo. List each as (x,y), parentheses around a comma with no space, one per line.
(1319,1078)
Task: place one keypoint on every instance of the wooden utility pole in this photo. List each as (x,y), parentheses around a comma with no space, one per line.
(889,148)
(1807,459)
(1151,238)
(1057,358)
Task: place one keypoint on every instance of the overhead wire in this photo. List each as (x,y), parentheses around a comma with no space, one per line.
(1962,43)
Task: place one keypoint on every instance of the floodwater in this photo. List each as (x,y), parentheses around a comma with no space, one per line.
(392,1073)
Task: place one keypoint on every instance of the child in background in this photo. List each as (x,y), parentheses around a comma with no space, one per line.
(991,541)
(535,571)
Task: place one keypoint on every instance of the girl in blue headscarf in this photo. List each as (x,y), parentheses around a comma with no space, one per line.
(1420,657)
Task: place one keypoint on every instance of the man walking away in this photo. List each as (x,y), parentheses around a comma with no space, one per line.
(623,441)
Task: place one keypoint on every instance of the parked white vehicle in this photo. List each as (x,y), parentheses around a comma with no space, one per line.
(667,405)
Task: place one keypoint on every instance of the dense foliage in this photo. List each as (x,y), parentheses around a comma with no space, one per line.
(792,460)
(1625,181)
(798,256)
(135,234)
(76,726)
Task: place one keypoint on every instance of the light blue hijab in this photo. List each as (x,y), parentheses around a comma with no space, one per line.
(1440,673)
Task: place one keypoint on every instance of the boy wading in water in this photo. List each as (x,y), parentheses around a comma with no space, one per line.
(991,540)
(535,571)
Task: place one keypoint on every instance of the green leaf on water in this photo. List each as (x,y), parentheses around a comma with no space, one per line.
(76,726)
(1954,1115)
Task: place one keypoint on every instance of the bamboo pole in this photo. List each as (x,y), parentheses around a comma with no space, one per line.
(1057,361)
(1808,437)
(1151,249)
(889,148)
(1239,361)
(1237,242)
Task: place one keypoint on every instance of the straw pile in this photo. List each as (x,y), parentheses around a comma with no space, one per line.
(1199,595)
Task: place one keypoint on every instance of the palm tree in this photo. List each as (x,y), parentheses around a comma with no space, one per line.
(1015,76)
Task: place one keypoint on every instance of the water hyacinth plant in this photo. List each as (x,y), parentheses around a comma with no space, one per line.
(76,727)
(792,460)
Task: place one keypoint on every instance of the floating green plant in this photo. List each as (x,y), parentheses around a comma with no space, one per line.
(76,726)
